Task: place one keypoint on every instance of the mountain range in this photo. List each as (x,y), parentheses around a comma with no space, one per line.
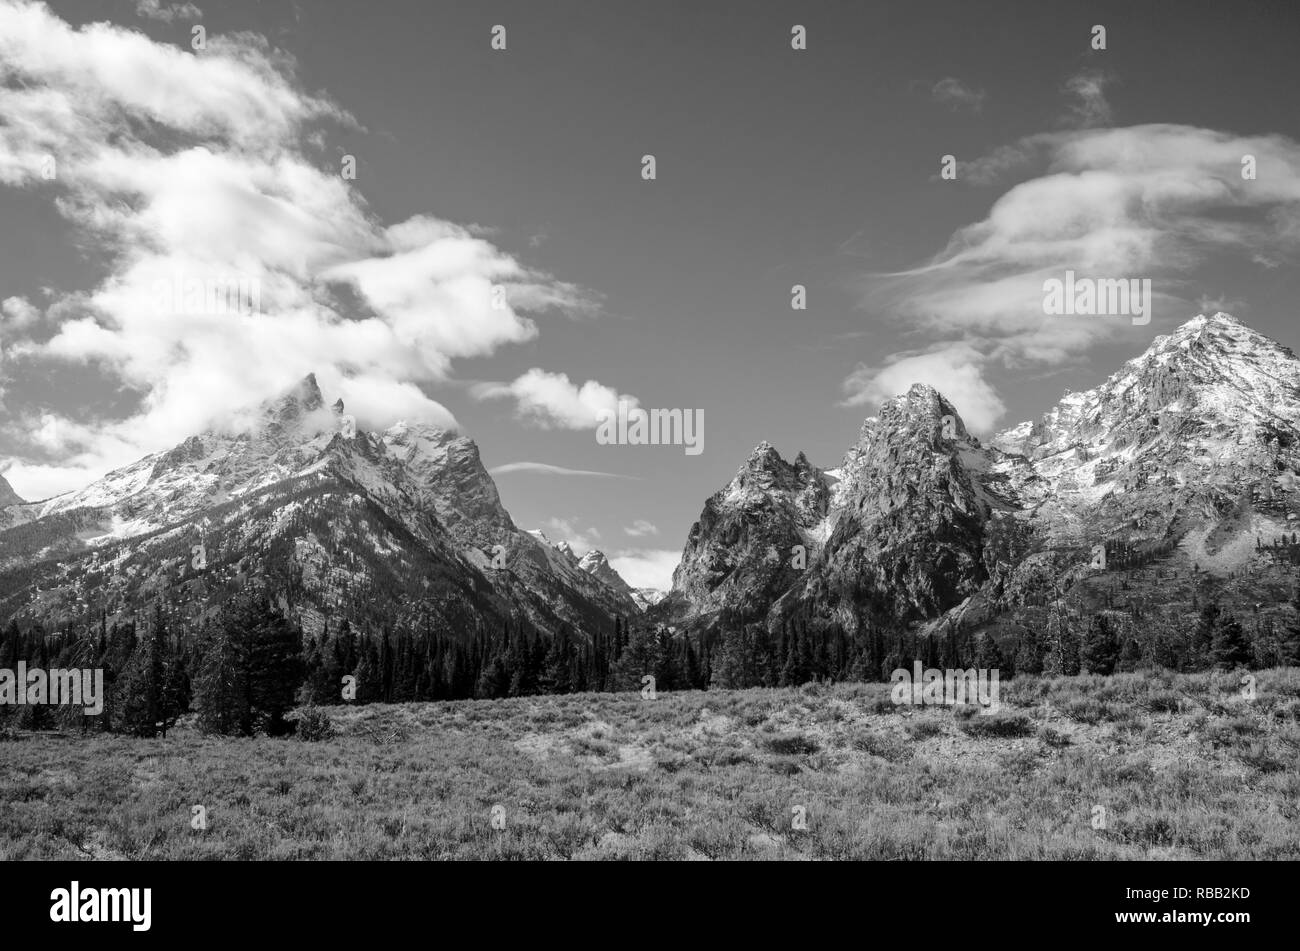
(1178,472)
(1175,476)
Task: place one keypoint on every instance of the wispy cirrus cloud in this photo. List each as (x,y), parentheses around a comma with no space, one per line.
(1088,106)
(166,12)
(957,95)
(1152,201)
(542,468)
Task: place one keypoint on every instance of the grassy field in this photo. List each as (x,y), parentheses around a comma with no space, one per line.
(1130,766)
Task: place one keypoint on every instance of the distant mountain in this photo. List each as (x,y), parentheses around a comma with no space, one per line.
(597,565)
(648,597)
(403,527)
(1181,467)
(8,496)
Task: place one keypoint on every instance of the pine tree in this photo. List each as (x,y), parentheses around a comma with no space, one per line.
(275,662)
(1100,646)
(249,667)
(1203,635)
(1231,648)
(494,682)
(152,690)
(1130,657)
(1029,655)
(220,687)
(987,655)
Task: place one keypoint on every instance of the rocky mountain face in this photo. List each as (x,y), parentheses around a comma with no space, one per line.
(8,496)
(1185,460)
(739,553)
(597,565)
(11,505)
(402,527)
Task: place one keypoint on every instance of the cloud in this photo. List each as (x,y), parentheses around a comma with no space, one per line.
(208,179)
(646,567)
(1149,201)
(1089,107)
(641,527)
(17,315)
(955,371)
(154,10)
(567,530)
(547,469)
(956,94)
(552,401)
(1206,304)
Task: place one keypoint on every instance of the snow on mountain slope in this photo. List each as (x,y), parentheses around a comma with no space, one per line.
(1190,451)
(428,484)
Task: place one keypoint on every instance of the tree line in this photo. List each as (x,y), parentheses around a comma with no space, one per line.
(245,670)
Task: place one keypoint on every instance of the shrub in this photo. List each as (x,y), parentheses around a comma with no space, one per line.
(1231,732)
(924,729)
(315,725)
(1163,701)
(886,747)
(1085,710)
(997,725)
(792,744)
(1053,738)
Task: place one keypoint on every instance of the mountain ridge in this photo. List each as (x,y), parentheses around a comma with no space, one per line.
(1187,455)
(295,479)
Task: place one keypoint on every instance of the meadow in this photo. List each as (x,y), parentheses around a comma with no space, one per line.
(1130,766)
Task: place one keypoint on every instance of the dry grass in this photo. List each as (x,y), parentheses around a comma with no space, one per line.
(1184,766)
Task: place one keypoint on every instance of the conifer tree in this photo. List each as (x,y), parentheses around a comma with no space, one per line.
(1231,648)
(1100,646)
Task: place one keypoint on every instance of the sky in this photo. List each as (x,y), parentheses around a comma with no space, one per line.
(519,172)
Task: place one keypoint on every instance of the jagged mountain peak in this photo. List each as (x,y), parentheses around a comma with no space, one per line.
(763,456)
(593,561)
(7,494)
(596,564)
(921,403)
(282,489)
(1212,388)
(303,396)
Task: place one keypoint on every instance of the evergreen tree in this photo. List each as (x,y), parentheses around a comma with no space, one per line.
(249,667)
(1203,635)
(1029,654)
(987,655)
(220,685)
(1289,639)
(1231,649)
(1130,657)
(275,670)
(1100,646)
(153,690)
